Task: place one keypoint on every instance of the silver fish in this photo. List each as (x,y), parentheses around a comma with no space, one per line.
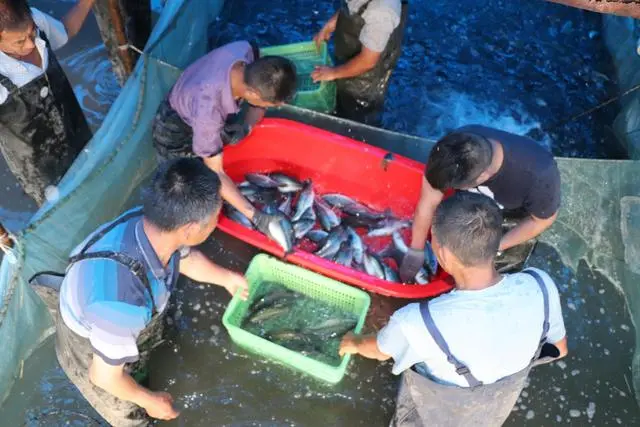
(282,233)
(316,236)
(285,206)
(399,242)
(302,227)
(305,201)
(328,218)
(286,184)
(309,215)
(388,227)
(261,180)
(338,200)
(430,259)
(332,245)
(372,266)
(332,327)
(345,255)
(392,252)
(389,273)
(357,244)
(422,278)
(360,210)
(270,208)
(236,216)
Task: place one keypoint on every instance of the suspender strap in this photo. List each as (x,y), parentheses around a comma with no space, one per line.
(545,296)
(135,266)
(461,368)
(108,228)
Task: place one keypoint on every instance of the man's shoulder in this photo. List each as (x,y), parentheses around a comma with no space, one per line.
(385,7)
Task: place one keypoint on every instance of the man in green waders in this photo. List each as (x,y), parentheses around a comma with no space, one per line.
(42,127)
(368,42)
(465,356)
(115,294)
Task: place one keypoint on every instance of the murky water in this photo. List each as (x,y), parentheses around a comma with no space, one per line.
(461,64)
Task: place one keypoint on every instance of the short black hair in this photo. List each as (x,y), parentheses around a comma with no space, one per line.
(470,226)
(14,15)
(182,191)
(273,77)
(457,160)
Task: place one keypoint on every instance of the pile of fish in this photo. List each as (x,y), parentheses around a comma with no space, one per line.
(334,223)
(297,322)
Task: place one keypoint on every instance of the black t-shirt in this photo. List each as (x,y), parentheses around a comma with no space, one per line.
(529,179)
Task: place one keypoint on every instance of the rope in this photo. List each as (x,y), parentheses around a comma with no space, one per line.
(142,53)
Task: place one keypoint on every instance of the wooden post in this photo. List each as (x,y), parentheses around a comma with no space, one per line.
(613,7)
(123,22)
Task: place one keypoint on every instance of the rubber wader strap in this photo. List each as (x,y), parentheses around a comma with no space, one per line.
(545,296)
(461,368)
(132,264)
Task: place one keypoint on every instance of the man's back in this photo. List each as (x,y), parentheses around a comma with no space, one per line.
(494,331)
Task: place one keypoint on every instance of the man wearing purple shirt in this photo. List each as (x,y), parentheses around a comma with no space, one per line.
(191,122)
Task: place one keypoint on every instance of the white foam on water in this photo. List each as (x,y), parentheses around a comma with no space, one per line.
(591,410)
(530,415)
(574,413)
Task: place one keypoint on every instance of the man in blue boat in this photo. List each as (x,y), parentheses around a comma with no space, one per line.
(465,356)
(368,42)
(114,297)
(42,127)
(192,121)
(514,170)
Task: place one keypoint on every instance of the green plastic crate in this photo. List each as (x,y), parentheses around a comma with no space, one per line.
(313,96)
(264,268)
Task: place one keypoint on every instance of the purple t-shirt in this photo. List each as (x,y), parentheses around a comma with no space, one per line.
(202,95)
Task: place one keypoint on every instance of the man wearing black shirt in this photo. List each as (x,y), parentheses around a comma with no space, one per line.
(514,170)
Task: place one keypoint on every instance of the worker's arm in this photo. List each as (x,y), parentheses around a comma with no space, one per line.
(526,230)
(198,267)
(229,191)
(115,381)
(74,19)
(358,65)
(430,198)
(620,8)
(325,33)
(364,345)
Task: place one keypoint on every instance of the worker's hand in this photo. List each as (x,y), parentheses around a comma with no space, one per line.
(411,263)
(322,74)
(325,33)
(160,406)
(234,133)
(349,344)
(237,283)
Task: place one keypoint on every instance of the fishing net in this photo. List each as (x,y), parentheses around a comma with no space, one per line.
(599,223)
(100,182)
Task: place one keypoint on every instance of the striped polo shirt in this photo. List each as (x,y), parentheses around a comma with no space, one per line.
(102,300)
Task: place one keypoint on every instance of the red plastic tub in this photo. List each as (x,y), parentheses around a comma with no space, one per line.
(335,164)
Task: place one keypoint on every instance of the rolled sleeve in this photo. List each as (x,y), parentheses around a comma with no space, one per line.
(52,28)
(545,197)
(207,125)
(115,327)
(380,22)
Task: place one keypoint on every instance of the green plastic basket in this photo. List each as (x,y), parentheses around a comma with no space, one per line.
(264,268)
(313,96)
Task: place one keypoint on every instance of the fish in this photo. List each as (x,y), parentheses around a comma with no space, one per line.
(296,341)
(237,216)
(317,236)
(388,227)
(391,251)
(431,261)
(261,180)
(399,242)
(344,255)
(332,245)
(338,200)
(267,313)
(359,222)
(332,328)
(286,184)
(267,300)
(285,206)
(360,210)
(262,195)
(389,273)
(282,232)
(357,244)
(309,215)
(422,278)
(372,266)
(270,208)
(247,189)
(328,218)
(305,201)
(302,227)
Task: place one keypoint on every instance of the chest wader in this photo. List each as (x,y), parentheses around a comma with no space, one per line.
(361,98)
(75,353)
(42,128)
(424,402)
